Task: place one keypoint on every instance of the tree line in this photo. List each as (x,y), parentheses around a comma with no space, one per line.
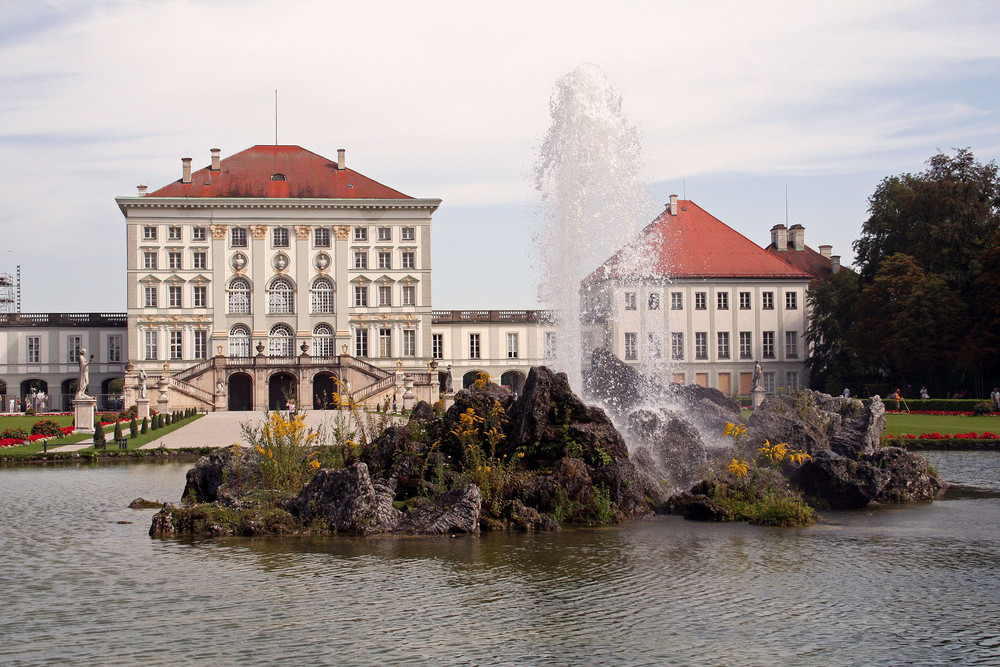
(923,307)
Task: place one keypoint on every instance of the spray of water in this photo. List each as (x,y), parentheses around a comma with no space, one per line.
(588,174)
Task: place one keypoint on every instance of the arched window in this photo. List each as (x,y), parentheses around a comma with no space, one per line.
(323,343)
(239,295)
(239,341)
(281,342)
(322,296)
(281,296)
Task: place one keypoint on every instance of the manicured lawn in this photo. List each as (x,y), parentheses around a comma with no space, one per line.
(133,443)
(22,421)
(944,424)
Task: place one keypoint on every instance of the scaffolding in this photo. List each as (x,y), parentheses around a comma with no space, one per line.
(10,292)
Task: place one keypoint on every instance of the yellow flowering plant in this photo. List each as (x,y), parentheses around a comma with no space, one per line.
(286,451)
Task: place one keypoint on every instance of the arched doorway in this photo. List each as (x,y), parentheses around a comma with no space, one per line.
(240,392)
(112,393)
(68,392)
(513,380)
(278,387)
(325,396)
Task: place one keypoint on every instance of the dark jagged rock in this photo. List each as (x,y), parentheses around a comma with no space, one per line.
(697,507)
(888,475)
(143,504)
(456,511)
(812,421)
(348,501)
(528,518)
(224,476)
(673,442)
(549,416)
(633,490)
(162,524)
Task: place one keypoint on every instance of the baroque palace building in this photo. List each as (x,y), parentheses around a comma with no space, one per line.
(277,272)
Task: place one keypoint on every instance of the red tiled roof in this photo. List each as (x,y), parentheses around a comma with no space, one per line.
(307,175)
(807,259)
(696,244)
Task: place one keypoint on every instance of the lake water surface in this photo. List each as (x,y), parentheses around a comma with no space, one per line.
(916,585)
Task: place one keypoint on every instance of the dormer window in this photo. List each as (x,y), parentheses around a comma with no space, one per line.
(277,177)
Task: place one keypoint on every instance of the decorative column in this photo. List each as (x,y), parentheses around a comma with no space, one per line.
(432,367)
(341,262)
(163,386)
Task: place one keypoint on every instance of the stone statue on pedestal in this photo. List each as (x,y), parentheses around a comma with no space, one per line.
(142,383)
(83,382)
(757,373)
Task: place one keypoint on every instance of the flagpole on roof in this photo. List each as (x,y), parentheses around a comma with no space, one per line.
(275,116)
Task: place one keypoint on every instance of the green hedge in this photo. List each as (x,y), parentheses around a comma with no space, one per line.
(941,443)
(942,404)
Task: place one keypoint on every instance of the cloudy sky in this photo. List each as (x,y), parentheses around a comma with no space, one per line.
(735,102)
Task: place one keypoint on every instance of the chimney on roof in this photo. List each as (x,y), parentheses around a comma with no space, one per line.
(825,250)
(185,170)
(341,158)
(142,190)
(673,204)
(834,263)
(779,237)
(797,237)
(216,159)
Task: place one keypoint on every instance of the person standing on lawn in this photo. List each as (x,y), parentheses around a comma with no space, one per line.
(995,398)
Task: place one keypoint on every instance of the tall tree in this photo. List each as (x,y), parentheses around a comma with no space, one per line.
(833,360)
(944,217)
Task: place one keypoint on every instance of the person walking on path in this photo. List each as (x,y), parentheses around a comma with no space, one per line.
(995,397)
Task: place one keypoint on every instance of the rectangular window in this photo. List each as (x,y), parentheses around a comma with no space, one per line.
(722,300)
(512,346)
(150,344)
(149,233)
(723,344)
(474,346)
(550,344)
(34,349)
(175,344)
(409,343)
(280,237)
(385,233)
(361,342)
(744,300)
(631,345)
(746,345)
(791,344)
(792,380)
(767,301)
(407,234)
(199,233)
(360,295)
(114,348)
(629,300)
(385,295)
(385,343)
(791,301)
(238,237)
(199,259)
(677,301)
(408,259)
(174,259)
(173,233)
(360,233)
(677,345)
(767,380)
(149,259)
(73,349)
(200,296)
(701,300)
(701,345)
(174,296)
(409,295)
(654,345)
(437,346)
(385,259)
(149,294)
(201,344)
(321,237)
(653,302)
(360,259)
(767,344)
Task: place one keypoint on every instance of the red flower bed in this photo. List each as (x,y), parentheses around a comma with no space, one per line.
(985,435)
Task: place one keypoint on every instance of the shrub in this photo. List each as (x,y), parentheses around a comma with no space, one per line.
(98,432)
(15,433)
(983,408)
(133,428)
(45,427)
(145,426)
(154,422)
(118,431)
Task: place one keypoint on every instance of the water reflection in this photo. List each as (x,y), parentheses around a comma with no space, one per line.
(897,585)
